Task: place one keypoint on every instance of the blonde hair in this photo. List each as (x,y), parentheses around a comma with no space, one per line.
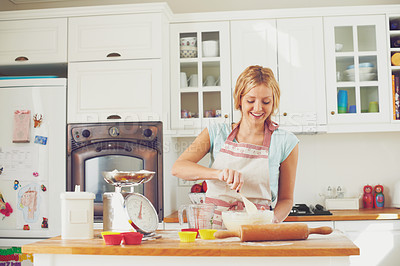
(254,76)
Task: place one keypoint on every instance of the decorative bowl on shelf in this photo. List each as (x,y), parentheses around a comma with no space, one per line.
(188,41)
(188,52)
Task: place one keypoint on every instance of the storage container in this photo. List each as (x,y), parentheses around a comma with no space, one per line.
(77,213)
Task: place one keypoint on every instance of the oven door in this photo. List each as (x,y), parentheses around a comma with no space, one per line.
(88,162)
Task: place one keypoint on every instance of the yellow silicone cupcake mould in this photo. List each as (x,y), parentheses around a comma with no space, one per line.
(187,236)
(207,233)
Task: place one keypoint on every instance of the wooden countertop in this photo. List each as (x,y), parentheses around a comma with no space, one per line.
(343,215)
(335,244)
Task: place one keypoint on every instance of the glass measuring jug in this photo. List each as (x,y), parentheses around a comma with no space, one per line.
(199,216)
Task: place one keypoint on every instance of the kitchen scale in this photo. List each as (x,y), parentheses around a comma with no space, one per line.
(124,211)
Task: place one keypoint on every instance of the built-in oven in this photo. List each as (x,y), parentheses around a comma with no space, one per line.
(93,148)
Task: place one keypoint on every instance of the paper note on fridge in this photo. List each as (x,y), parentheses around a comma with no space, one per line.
(22,122)
(18,162)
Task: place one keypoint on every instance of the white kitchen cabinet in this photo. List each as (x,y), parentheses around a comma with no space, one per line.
(356,70)
(115,37)
(301,74)
(195,102)
(33,41)
(126,90)
(379,241)
(253,42)
(293,49)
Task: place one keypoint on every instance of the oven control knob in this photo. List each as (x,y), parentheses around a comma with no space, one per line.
(86,133)
(147,132)
(113,131)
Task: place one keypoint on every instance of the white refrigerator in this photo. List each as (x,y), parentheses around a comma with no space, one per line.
(32,158)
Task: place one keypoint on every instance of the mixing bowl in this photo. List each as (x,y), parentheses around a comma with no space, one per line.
(234,219)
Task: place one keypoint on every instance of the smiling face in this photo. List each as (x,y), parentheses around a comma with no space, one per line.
(256,94)
(257,105)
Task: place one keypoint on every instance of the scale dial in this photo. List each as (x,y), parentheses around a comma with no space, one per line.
(141,213)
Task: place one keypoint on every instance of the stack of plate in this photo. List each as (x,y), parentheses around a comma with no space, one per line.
(367,72)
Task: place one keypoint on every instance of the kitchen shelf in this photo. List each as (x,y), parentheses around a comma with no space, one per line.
(394,71)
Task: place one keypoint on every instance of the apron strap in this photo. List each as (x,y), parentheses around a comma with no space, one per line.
(269,128)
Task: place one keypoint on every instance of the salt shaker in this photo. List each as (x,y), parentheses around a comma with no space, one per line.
(339,192)
(329,193)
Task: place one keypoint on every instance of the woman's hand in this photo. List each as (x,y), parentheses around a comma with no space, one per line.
(233,178)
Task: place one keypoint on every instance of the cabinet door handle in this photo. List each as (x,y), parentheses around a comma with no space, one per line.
(113,117)
(332,112)
(113,55)
(226,115)
(21,58)
(284,114)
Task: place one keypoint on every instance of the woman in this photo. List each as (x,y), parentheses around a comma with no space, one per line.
(252,157)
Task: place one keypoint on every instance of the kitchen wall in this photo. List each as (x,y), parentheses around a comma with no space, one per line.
(184,6)
(347,160)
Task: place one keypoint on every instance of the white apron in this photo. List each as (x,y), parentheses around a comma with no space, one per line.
(252,161)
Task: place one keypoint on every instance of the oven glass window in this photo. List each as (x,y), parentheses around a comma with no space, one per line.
(94,181)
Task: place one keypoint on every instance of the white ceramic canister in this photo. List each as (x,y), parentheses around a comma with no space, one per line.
(77,210)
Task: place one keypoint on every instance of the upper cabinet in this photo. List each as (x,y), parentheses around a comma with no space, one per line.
(356,70)
(122,91)
(115,37)
(253,42)
(36,41)
(301,74)
(293,49)
(116,69)
(200,74)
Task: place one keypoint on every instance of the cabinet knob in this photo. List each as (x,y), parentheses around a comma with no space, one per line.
(332,112)
(284,114)
(226,115)
(113,55)
(21,58)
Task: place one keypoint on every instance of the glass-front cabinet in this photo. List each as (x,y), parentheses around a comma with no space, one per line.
(200,75)
(357,81)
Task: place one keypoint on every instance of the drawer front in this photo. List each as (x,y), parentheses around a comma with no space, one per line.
(132,36)
(122,91)
(370,226)
(33,41)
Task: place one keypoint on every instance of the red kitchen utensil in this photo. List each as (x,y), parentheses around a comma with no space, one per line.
(132,238)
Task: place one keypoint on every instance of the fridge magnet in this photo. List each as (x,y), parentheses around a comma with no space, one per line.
(35,174)
(21,130)
(379,198)
(40,140)
(26,227)
(45,223)
(29,202)
(37,119)
(5,207)
(43,187)
(16,184)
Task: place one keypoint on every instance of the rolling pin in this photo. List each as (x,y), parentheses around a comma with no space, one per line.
(267,232)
